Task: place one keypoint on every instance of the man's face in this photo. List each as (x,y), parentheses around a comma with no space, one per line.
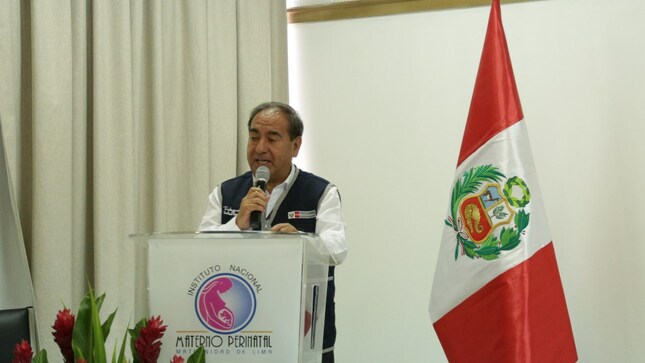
(270,145)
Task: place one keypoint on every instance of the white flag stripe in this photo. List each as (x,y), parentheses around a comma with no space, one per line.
(454,281)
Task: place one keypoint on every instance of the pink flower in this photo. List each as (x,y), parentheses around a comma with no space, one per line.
(22,352)
(148,344)
(177,359)
(81,360)
(63,328)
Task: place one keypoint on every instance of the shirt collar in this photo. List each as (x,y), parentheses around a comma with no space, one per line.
(290,179)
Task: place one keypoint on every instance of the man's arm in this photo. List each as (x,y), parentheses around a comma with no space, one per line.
(330,226)
(212,219)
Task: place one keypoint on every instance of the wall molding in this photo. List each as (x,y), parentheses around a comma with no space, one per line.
(367,8)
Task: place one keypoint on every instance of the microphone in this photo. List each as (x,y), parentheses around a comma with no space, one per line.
(262,175)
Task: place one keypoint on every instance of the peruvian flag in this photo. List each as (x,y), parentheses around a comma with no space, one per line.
(497,295)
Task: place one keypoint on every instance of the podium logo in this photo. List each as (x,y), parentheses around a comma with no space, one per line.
(225,303)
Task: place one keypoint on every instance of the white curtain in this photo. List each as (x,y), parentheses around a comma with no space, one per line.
(119,118)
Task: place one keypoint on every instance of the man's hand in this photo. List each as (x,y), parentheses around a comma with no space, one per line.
(284,227)
(255,200)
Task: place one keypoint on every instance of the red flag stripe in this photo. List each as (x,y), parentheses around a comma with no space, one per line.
(495,103)
(520,316)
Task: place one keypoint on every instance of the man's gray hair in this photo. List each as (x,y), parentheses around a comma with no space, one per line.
(295,123)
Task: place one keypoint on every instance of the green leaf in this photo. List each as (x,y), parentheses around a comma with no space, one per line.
(78,354)
(521,220)
(447,222)
(108,324)
(99,301)
(491,241)
(98,349)
(499,212)
(488,251)
(124,343)
(198,356)
(477,175)
(457,251)
(134,334)
(506,234)
(489,257)
(470,244)
(82,333)
(114,354)
(512,243)
(41,357)
(510,238)
(88,336)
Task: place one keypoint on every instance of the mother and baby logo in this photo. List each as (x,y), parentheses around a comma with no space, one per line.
(225,303)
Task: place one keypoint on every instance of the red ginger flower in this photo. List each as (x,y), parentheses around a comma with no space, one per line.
(63,328)
(22,352)
(148,344)
(177,359)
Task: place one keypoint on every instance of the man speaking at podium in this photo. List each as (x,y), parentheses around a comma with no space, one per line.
(294,200)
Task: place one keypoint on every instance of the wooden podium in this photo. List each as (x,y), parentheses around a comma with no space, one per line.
(243,296)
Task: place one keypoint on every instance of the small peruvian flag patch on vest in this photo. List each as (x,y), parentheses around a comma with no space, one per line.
(302,214)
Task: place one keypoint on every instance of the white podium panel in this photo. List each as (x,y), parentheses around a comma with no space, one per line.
(245,297)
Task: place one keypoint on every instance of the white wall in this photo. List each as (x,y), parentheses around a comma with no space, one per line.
(385,101)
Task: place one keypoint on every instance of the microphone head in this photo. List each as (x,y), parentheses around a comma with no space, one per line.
(263,173)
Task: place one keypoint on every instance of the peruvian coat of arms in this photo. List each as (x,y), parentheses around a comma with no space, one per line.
(487,212)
